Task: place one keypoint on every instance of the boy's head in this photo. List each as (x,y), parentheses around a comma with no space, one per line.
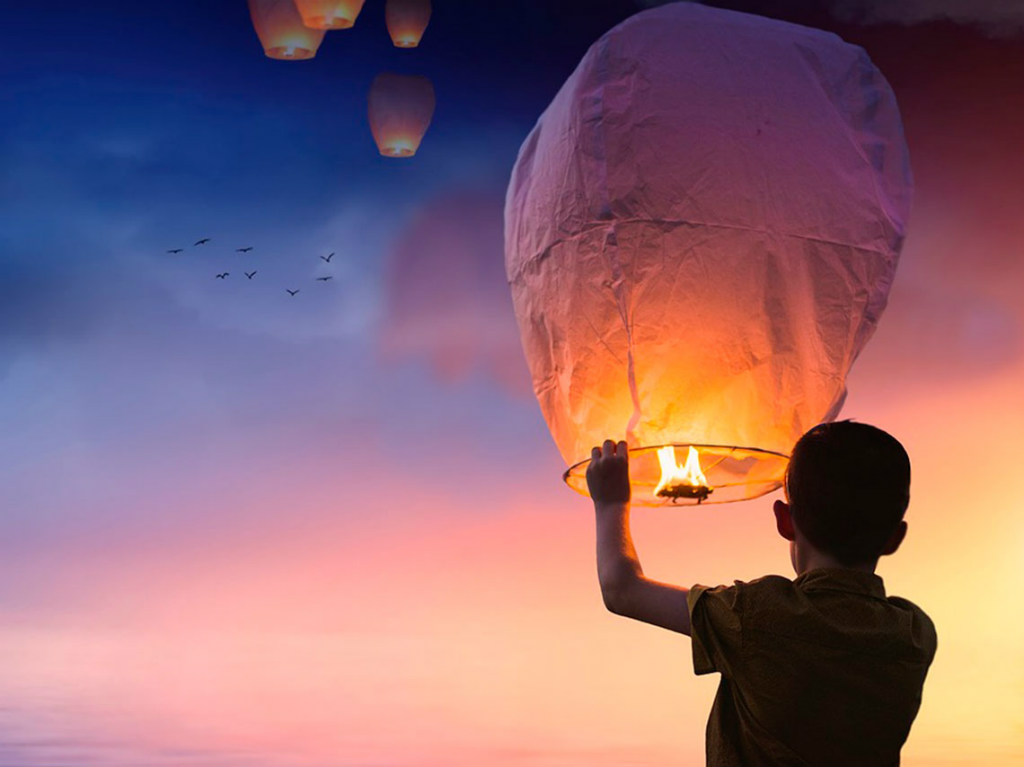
(847,486)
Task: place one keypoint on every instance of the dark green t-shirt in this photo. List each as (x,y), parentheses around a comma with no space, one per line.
(821,671)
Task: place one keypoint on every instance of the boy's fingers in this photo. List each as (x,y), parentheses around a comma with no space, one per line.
(595,454)
(623,450)
(609,448)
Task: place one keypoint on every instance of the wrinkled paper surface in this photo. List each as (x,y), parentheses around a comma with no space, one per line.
(702,229)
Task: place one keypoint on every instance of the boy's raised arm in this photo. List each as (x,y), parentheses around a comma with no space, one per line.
(625,589)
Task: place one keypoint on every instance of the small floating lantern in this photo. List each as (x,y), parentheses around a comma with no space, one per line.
(329,14)
(401,108)
(281,31)
(407,20)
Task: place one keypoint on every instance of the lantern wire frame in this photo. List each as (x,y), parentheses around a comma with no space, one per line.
(733,474)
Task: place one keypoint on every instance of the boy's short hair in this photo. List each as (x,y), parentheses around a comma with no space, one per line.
(848,486)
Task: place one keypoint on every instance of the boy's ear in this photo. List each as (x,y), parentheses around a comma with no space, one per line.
(784,521)
(896,538)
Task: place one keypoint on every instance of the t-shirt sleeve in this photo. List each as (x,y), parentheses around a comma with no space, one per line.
(715,628)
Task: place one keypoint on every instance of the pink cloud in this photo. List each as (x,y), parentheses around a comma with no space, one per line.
(447,296)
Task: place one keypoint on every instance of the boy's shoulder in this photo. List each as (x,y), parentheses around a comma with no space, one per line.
(741,592)
(776,592)
(824,602)
(906,604)
(764,583)
(921,624)
(745,601)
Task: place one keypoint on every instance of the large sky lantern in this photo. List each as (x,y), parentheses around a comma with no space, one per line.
(700,235)
(281,31)
(329,14)
(400,108)
(407,20)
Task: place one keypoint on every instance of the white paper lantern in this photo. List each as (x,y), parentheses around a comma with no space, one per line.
(400,110)
(701,233)
(329,14)
(407,20)
(281,31)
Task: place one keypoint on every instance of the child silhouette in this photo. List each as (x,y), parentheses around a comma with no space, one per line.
(821,670)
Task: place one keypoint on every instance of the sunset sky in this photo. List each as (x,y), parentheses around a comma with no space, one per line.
(243,528)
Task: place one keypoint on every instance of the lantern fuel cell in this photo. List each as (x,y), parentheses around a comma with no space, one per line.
(677,481)
(281,31)
(700,235)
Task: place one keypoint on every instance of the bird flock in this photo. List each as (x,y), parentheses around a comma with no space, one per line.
(249,275)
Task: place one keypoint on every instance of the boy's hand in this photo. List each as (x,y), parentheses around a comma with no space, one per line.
(608,473)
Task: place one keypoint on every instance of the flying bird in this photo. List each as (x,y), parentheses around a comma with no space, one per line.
(327,258)
(223,275)
(201,242)
(243,250)
(250,275)
(324,279)
(175,250)
(291,292)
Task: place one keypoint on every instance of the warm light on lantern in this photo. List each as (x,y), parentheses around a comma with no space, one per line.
(407,21)
(401,108)
(681,481)
(281,31)
(329,14)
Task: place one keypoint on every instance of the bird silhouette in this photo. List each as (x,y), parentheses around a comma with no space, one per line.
(223,275)
(176,250)
(243,250)
(327,258)
(250,275)
(323,279)
(291,292)
(201,242)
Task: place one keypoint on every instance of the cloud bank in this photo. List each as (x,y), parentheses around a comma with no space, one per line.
(998,18)
(995,17)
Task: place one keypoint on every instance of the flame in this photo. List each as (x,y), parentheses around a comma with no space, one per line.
(676,478)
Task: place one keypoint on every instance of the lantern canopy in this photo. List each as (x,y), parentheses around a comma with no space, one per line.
(400,107)
(281,31)
(407,21)
(329,14)
(700,235)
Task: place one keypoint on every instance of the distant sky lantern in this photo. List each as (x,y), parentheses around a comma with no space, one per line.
(407,21)
(700,235)
(401,108)
(280,29)
(329,14)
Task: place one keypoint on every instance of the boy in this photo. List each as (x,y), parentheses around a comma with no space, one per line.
(824,670)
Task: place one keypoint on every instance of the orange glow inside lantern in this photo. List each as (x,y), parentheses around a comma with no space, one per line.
(725,474)
(407,20)
(281,31)
(400,110)
(329,14)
